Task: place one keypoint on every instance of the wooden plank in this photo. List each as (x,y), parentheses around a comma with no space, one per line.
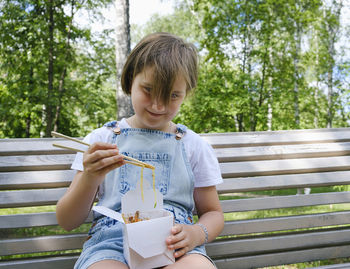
(36,179)
(62,262)
(35,146)
(284,182)
(30,197)
(41,244)
(283,258)
(282,152)
(24,146)
(278,243)
(244,139)
(253,226)
(275,202)
(36,162)
(279,167)
(31,220)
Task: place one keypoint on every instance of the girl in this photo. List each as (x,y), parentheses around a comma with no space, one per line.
(160,71)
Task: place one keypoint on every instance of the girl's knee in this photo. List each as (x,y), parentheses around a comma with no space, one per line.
(193,261)
(108,264)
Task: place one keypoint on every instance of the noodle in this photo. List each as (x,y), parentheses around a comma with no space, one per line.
(143,199)
(154,187)
(154,184)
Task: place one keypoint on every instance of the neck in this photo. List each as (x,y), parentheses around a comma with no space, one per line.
(170,127)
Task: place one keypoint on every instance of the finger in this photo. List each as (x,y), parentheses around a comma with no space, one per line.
(101,154)
(180,252)
(177,228)
(100,146)
(105,162)
(174,241)
(179,244)
(112,167)
(174,230)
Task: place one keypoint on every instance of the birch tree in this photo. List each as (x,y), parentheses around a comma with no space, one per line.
(331,31)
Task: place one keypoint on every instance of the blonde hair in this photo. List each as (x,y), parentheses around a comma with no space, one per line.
(169,57)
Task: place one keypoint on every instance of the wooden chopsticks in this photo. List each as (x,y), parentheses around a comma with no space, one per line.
(131,160)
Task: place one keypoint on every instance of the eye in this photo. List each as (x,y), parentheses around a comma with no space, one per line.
(147,90)
(174,96)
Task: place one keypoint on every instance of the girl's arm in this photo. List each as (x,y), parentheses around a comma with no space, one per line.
(73,208)
(186,237)
(209,210)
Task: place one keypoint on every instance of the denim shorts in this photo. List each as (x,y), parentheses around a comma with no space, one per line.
(105,242)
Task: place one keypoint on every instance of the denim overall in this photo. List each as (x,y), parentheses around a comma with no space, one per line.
(173,178)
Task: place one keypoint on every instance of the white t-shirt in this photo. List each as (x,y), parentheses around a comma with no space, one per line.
(200,154)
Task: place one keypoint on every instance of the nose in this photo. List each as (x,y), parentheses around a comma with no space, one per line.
(158,106)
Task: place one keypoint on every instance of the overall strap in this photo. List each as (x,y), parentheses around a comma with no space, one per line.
(180,131)
(114,126)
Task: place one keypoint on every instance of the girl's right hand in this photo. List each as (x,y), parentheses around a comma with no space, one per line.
(100,159)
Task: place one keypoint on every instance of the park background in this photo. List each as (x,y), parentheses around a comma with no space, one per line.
(264,65)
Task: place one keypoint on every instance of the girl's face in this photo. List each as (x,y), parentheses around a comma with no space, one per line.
(152,114)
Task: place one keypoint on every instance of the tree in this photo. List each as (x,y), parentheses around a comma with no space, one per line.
(263,45)
(122,51)
(41,56)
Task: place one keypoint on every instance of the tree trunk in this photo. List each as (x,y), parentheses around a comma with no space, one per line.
(122,51)
(269,106)
(296,75)
(64,71)
(48,109)
(333,31)
(60,92)
(316,93)
(28,123)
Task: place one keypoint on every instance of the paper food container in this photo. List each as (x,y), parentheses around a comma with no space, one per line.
(144,241)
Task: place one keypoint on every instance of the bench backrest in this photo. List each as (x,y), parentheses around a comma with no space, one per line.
(261,171)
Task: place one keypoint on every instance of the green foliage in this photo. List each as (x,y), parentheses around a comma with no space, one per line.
(264,65)
(260,44)
(53,74)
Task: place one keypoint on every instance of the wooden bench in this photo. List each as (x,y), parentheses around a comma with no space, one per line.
(261,170)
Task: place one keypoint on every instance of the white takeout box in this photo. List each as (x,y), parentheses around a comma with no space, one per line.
(144,241)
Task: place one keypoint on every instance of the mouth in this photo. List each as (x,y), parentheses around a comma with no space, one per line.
(155,114)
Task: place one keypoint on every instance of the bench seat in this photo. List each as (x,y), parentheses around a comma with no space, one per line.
(266,222)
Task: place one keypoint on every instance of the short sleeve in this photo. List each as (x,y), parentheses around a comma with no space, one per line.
(203,160)
(98,135)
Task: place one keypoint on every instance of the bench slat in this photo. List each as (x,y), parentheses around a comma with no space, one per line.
(276,202)
(51,196)
(31,220)
(41,244)
(27,220)
(36,162)
(242,139)
(30,197)
(279,167)
(231,227)
(36,179)
(256,246)
(286,182)
(43,146)
(251,226)
(62,262)
(287,257)
(282,152)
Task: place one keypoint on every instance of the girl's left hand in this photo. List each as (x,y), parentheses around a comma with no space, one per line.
(184,238)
